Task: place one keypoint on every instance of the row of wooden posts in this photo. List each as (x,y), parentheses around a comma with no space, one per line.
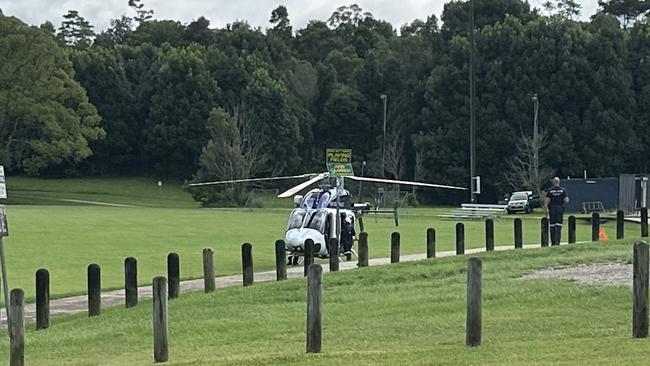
(165,288)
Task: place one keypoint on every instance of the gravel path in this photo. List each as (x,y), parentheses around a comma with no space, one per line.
(609,274)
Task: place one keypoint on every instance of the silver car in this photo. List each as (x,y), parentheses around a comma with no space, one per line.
(519,201)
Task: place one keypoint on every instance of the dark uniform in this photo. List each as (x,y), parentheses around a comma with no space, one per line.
(347,235)
(556,196)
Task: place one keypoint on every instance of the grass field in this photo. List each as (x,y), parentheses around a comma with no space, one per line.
(64,238)
(407,314)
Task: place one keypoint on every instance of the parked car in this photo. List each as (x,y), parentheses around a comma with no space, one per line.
(523,201)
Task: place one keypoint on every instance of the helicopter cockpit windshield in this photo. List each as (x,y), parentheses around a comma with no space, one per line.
(296,218)
(317,221)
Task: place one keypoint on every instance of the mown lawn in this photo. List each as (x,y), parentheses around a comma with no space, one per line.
(66,238)
(406,314)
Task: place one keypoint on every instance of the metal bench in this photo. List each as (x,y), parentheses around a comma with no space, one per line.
(470,211)
(596,206)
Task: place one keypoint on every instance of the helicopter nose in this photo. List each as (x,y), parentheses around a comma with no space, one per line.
(295,238)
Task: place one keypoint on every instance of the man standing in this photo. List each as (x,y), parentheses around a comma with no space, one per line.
(554,202)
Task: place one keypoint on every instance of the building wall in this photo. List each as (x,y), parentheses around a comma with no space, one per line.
(605,190)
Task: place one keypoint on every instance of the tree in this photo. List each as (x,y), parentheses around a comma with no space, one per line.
(348,15)
(523,171)
(75,31)
(395,163)
(49,28)
(628,11)
(45,117)
(199,31)
(102,73)
(234,151)
(183,94)
(142,14)
(158,32)
(118,33)
(568,9)
(282,29)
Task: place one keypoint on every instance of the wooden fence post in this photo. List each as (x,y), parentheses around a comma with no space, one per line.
(314,302)
(640,290)
(474,297)
(489,235)
(431,242)
(395,213)
(17,328)
(460,238)
(620,224)
(42,299)
(309,255)
(361,227)
(334,254)
(595,226)
(173,275)
(209,282)
(160,340)
(280,260)
(544,229)
(363,249)
(572,229)
(247,263)
(394,247)
(519,241)
(130,282)
(94,290)
(644,222)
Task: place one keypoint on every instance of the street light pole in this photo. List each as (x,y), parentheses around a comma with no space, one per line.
(472,107)
(536,143)
(384,97)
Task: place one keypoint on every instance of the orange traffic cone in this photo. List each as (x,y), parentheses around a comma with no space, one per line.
(603,235)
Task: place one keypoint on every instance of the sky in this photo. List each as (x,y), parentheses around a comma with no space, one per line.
(222,12)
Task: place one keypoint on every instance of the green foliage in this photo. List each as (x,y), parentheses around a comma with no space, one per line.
(46,119)
(75,31)
(157,84)
(142,14)
(183,93)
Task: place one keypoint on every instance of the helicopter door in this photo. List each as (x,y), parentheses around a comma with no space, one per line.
(328,233)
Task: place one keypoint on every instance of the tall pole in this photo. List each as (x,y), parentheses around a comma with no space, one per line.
(472,109)
(536,144)
(384,97)
(5,284)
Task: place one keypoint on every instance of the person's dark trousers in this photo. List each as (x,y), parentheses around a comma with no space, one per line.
(555,223)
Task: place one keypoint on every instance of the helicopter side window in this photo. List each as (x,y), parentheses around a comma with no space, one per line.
(296,218)
(317,221)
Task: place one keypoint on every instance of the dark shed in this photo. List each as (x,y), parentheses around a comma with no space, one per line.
(583,191)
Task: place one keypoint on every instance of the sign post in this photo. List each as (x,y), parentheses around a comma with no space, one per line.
(339,164)
(4,231)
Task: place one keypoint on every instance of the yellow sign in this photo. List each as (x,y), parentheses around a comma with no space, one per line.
(339,162)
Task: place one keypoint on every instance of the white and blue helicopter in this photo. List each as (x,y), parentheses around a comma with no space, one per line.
(325,212)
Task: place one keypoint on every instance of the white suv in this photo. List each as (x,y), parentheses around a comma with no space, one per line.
(519,201)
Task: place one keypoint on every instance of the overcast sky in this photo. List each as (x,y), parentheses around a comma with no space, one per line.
(222,12)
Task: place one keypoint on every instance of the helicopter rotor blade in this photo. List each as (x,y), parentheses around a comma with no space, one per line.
(291,191)
(408,183)
(251,180)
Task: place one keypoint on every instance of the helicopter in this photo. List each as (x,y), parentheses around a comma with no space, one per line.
(328,211)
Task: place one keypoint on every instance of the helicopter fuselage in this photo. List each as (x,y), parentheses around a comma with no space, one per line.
(316,217)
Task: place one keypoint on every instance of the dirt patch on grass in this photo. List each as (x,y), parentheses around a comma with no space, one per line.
(611,274)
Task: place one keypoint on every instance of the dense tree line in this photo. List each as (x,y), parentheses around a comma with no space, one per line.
(194,102)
